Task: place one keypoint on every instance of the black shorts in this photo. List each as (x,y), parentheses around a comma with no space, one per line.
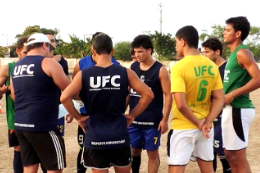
(103,159)
(81,137)
(12,139)
(47,148)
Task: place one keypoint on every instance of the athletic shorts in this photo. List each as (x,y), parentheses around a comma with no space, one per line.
(103,159)
(61,126)
(218,142)
(12,138)
(81,137)
(184,144)
(46,148)
(148,139)
(235,127)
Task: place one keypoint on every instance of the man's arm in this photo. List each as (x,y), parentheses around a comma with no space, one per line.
(76,70)
(166,88)
(3,78)
(216,106)
(246,60)
(53,69)
(66,99)
(180,99)
(144,91)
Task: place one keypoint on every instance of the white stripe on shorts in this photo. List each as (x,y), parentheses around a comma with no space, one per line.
(58,149)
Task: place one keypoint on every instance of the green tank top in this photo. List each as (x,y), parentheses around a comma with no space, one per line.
(9,101)
(236,77)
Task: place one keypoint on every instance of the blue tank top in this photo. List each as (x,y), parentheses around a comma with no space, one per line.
(217,121)
(152,115)
(104,92)
(36,96)
(86,62)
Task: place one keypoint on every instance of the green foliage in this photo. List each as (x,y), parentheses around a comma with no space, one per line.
(3,51)
(217,32)
(76,49)
(252,40)
(29,30)
(122,51)
(164,45)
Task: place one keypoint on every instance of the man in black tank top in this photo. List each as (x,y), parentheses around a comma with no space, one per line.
(212,48)
(103,88)
(146,129)
(36,80)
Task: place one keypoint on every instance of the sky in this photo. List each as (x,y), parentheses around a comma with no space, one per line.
(121,19)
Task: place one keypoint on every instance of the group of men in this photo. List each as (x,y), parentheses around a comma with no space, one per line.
(109,137)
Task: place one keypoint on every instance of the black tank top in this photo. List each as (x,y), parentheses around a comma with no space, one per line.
(152,115)
(104,92)
(36,96)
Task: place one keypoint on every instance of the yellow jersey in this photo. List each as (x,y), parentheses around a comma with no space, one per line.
(196,76)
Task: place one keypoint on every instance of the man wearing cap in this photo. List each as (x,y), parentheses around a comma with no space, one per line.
(36,81)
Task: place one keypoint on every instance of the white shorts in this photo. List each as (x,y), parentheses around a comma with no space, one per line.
(235,127)
(184,144)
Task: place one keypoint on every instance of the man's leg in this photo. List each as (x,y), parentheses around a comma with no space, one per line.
(225,164)
(31,168)
(153,161)
(205,166)
(176,169)
(17,162)
(136,153)
(122,169)
(215,162)
(238,161)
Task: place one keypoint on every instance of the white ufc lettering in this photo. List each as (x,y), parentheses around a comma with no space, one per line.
(103,80)
(19,70)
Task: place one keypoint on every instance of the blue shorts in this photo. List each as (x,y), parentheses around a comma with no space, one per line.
(148,139)
(61,126)
(218,141)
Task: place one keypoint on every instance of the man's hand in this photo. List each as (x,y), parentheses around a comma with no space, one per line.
(200,123)
(82,122)
(129,119)
(206,127)
(229,98)
(69,118)
(163,126)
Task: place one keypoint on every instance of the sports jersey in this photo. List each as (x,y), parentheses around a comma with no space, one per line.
(86,62)
(152,115)
(104,92)
(236,77)
(36,96)
(196,76)
(9,100)
(221,68)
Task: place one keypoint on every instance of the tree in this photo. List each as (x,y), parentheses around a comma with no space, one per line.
(29,30)
(164,45)
(122,51)
(252,41)
(217,32)
(76,49)
(3,51)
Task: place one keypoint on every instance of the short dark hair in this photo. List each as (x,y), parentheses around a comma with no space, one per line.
(21,42)
(142,41)
(190,35)
(240,24)
(94,35)
(102,44)
(213,44)
(131,51)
